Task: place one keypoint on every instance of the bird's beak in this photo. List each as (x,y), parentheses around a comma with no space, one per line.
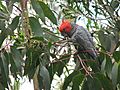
(64,34)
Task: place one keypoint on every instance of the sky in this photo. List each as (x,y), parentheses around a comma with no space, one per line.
(26,85)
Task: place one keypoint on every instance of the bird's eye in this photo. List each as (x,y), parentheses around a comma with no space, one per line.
(64,30)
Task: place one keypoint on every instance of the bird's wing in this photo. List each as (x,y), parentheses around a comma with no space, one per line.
(83,38)
(85,41)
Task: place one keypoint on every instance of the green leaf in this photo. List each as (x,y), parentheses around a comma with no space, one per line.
(4,71)
(14,23)
(115,74)
(104,40)
(50,45)
(94,84)
(77,80)
(107,40)
(58,66)
(30,65)
(35,26)
(69,79)
(117,25)
(116,56)
(46,78)
(3,7)
(3,16)
(3,12)
(85,85)
(114,4)
(63,64)
(2,24)
(53,68)
(16,1)
(91,83)
(100,2)
(48,13)
(108,65)
(49,35)
(118,79)
(106,83)
(2,36)
(88,23)
(16,61)
(38,9)
(32,62)
(37,38)
(1,87)
(41,85)
(103,66)
(16,85)
(9,4)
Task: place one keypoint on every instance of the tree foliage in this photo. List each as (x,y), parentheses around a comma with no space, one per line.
(30,44)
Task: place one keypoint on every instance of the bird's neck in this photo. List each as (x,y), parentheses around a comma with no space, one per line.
(74,26)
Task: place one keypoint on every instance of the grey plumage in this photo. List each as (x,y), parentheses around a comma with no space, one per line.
(83,39)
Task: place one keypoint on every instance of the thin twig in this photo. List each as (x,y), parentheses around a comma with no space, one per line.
(61,48)
(75,55)
(84,67)
(63,41)
(95,19)
(52,34)
(17,8)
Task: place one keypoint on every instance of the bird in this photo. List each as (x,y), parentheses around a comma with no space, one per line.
(80,37)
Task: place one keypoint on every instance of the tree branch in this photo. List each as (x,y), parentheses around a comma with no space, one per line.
(25,21)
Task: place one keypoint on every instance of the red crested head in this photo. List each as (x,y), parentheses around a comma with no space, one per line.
(65,26)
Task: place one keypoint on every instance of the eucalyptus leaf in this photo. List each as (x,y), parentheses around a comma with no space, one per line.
(61,65)
(107,41)
(36,27)
(1,86)
(3,12)
(117,25)
(104,40)
(85,85)
(41,84)
(48,13)
(14,23)
(16,61)
(100,2)
(3,8)
(77,80)
(3,16)
(49,35)
(68,79)
(46,78)
(38,9)
(116,56)
(30,64)
(115,74)
(92,83)
(4,71)
(3,35)
(114,4)
(118,79)
(108,65)
(106,83)
(103,66)
(2,24)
